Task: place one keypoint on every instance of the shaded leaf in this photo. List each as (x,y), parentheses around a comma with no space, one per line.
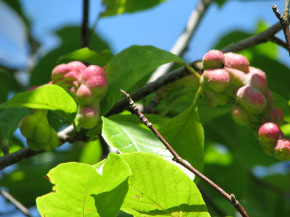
(87,55)
(131,65)
(185,134)
(9,122)
(114,7)
(159,188)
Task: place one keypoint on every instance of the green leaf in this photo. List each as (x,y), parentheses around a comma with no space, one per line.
(91,153)
(129,137)
(158,188)
(82,190)
(9,122)
(87,55)
(114,7)
(131,65)
(50,97)
(185,134)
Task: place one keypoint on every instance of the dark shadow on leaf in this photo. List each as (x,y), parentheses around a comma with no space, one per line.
(176,209)
(113,199)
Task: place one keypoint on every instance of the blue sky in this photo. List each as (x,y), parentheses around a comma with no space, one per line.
(159,26)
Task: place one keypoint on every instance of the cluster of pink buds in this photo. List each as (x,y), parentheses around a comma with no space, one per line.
(87,84)
(229,78)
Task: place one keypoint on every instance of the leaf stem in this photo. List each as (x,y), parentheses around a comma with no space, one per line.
(230,197)
(196,97)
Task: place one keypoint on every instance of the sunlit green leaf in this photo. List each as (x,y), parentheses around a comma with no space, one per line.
(114,7)
(83,190)
(159,188)
(51,97)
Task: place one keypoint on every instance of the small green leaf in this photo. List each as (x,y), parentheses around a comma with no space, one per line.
(158,188)
(79,190)
(129,137)
(185,134)
(9,122)
(114,7)
(130,66)
(50,97)
(87,55)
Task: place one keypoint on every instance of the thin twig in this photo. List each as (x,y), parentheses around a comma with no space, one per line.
(182,42)
(85,29)
(230,197)
(284,21)
(279,42)
(15,202)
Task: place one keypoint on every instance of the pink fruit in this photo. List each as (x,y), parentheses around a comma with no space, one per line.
(276,115)
(218,80)
(269,133)
(257,79)
(213,59)
(240,116)
(282,149)
(238,77)
(251,99)
(88,117)
(236,61)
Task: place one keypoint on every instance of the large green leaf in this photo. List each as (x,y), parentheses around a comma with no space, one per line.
(50,97)
(131,65)
(185,134)
(9,122)
(158,188)
(114,7)
(128,137)
(84,190)
(87,55)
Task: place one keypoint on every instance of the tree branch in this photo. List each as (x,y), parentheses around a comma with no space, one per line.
(65,135)
(230,197)
(182,42)
(85,29)
(279,42)
(284,21)
(15,202)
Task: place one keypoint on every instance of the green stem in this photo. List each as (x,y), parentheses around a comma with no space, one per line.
(189,68)
(196,97)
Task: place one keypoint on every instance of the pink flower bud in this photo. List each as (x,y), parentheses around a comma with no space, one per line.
(238,77)
(213,59)
(251,99)
(236,61)
(218,80)
(257,79)
(240,116)
(276,115)
(66,74)
(88,117)
(282,149)
(269,133)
